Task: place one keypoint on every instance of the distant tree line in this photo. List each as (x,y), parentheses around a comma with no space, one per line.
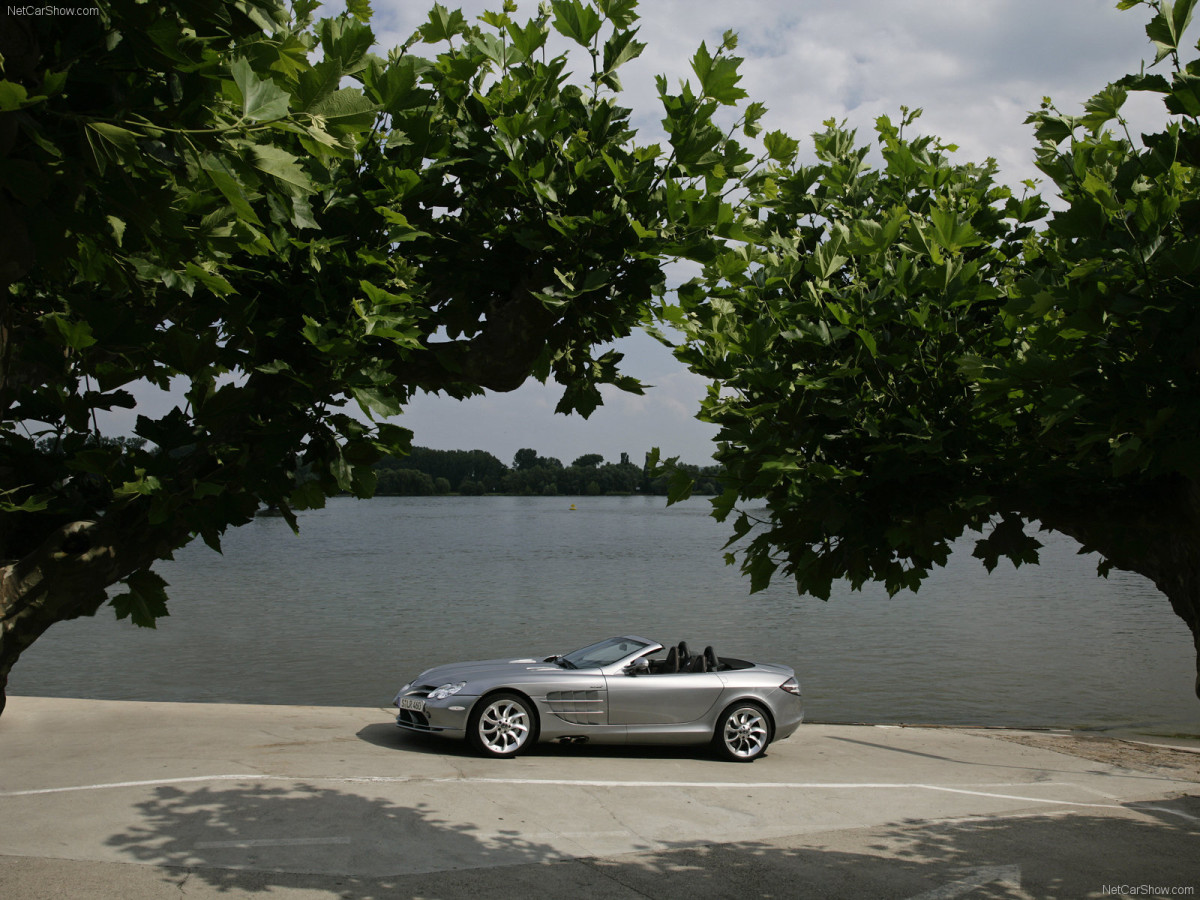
(427,472)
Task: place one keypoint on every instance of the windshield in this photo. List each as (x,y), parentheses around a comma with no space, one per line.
(602,654)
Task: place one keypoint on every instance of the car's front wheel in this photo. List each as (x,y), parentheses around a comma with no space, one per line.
(743,732)
(502,725)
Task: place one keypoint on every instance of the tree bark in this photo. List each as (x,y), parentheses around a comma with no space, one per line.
(67,576)
(1153,530)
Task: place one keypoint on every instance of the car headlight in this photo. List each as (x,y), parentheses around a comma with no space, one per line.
(446,690)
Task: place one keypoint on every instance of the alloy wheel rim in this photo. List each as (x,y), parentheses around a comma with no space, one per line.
(504,726)
(745,732)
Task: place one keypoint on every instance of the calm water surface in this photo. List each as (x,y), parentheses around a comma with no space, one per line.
(371,592)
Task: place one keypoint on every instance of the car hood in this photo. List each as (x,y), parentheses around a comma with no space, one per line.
(484,669)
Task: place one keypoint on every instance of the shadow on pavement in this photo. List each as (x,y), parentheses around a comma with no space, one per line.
(393,738)
(249,839)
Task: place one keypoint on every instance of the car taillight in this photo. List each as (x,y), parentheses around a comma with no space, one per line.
(792,686)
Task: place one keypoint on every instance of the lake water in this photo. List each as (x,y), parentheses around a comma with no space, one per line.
(373,591)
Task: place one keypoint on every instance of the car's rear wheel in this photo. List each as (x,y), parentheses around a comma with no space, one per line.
(743,732)
(502,725)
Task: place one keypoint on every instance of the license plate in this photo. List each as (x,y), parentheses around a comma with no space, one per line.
(412,703)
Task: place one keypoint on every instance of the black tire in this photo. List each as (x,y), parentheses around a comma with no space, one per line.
(502,725)
(743,732)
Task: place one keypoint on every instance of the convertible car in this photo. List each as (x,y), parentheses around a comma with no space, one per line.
(624,690)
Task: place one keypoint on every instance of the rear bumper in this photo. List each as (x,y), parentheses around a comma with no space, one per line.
(789,720)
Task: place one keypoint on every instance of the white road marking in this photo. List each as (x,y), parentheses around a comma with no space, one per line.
(567,782)
(1170,812)
(157,782)
(1178,747)
(1006,876)
(270,842)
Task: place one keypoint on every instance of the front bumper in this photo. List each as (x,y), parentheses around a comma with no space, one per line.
(448,717)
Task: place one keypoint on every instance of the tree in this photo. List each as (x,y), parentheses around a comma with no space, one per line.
(252,209)
(453,466)
(589,461)
(400,482)
(525,458)
(900,356)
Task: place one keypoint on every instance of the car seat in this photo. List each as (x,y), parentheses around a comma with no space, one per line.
(671,663)
(685,656)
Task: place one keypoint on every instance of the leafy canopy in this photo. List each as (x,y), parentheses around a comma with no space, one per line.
(256,211)
(903,350)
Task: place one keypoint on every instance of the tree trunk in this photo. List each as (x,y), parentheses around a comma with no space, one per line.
(68,576)
(1153,531)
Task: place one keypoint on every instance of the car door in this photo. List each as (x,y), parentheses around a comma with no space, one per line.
(661,699)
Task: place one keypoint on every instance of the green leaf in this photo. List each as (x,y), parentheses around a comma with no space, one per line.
(121,142)
(576,21)
(348,43)
(144,602)
(679,486)
(761,567)
(319,82)
(282,165)
(442,25)
(214,281)
(622,13)
(377,400)
(262,99)
(29,504)
(620,49)
(1166,29)
(12,96)
(780,147)
(528,39)
(75,334)
(1184,99)
(360,9)
(344,104)
(498,51)
(951,232)
(230,186)
(718,76)
(1104,107)
(1008,539)
(868,340)
(1052,128)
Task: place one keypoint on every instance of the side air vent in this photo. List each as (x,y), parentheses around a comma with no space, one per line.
(577,707)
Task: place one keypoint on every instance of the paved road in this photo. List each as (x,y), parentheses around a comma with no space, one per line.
(145,800)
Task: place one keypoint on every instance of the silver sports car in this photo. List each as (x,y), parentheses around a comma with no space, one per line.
(624,690)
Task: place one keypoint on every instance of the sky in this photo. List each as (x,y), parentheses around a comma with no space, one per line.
(976,68)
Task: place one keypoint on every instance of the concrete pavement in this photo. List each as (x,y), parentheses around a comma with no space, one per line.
(145,800)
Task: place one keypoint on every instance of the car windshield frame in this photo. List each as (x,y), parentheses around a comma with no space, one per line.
(603,654)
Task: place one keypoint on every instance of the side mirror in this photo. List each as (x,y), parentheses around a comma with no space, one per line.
(638,667)
(553,657)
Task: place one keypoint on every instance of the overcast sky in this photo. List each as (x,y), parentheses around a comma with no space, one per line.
(976,67)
